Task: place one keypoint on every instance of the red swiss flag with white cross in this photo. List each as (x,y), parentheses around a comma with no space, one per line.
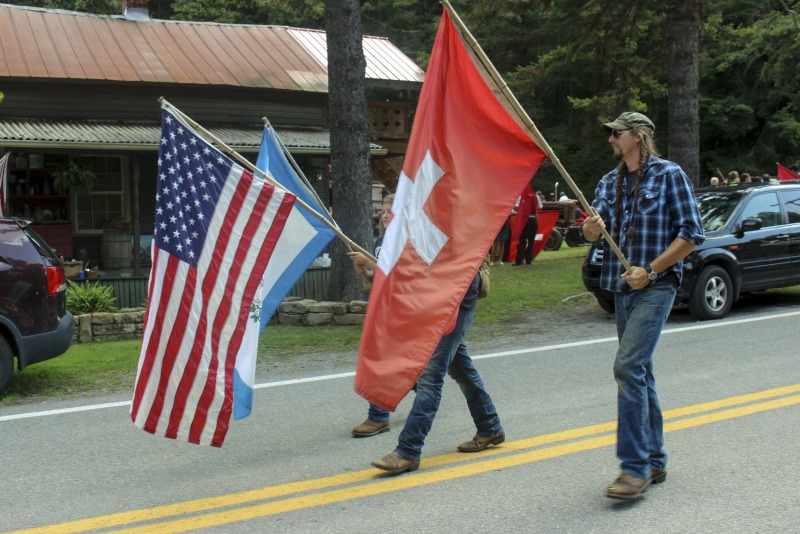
(467,162)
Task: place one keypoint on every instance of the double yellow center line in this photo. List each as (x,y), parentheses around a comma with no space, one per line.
(216,511)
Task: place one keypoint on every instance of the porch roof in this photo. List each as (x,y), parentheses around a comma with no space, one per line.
(144,136)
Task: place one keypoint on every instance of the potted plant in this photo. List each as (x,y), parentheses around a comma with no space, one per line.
(75,174)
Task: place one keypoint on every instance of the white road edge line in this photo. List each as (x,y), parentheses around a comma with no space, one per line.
(701,326)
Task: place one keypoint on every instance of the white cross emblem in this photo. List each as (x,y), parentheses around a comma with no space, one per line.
(410,222)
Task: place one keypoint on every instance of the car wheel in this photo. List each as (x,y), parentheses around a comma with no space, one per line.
(554,240)
(712,294)
(606,304)
(6,364)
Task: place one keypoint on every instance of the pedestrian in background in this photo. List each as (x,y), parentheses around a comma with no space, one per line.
(377,420)
(527,206)
(500,245)
(649,204)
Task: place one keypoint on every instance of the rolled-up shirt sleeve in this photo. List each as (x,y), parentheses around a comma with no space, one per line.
(683,210)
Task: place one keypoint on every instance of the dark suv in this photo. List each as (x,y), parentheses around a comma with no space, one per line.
(34,322)
(752,243)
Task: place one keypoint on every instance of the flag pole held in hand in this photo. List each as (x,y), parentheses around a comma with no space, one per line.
(503,86)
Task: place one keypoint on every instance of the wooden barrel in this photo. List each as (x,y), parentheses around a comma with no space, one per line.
(116,249)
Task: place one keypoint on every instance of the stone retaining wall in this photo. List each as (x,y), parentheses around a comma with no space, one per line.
(295,310)
(127,324)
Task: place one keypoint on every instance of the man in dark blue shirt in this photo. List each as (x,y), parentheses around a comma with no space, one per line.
(649,205)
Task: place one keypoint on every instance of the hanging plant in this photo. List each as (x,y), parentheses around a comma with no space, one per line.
(73,174)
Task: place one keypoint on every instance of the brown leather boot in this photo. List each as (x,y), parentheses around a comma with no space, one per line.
(369,428)
(627,487)
(396,463)
(657,476)
(479,443)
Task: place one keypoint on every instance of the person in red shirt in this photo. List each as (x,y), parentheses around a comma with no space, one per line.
(528,204)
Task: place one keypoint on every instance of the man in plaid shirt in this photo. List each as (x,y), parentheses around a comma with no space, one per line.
(648,204)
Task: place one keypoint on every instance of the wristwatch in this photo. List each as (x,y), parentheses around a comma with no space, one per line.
(651,274)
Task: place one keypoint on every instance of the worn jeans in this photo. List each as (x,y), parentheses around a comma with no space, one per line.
(450,357)
(377,414)
(640,318)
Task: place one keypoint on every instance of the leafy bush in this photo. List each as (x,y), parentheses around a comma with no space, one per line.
(90,298)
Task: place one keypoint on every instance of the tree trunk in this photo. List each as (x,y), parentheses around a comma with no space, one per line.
(683,79)
(350,166)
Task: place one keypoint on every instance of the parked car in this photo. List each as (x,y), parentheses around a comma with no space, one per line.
(752,243)
(34,322)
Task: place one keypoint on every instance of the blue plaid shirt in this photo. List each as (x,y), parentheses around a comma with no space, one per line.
(666,210)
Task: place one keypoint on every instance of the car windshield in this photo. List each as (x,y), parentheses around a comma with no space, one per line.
(716,208)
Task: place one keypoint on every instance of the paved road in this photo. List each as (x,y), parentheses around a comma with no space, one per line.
(731,390)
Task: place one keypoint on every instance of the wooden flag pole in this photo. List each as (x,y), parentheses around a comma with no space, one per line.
(297,168)
(255,170)
(503,86)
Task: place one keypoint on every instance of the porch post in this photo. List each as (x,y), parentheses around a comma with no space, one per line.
(137,249)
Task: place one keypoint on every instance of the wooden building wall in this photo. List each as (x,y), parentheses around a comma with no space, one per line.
(114,101)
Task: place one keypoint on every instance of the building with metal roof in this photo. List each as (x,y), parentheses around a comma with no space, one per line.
(87,86)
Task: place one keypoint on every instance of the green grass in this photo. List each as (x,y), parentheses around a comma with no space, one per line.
(285,342)
(545,283)
(89,367)
(111,366)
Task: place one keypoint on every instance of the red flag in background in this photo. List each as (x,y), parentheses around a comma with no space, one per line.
(547,220)
(784,173)
(468,159)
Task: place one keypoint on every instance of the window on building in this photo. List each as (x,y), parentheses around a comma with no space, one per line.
(106,201)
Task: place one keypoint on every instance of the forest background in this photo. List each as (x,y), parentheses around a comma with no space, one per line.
(575,63)
(720,79)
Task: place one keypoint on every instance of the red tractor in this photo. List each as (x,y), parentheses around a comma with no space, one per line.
(567,226)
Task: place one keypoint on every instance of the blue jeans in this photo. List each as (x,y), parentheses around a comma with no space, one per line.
(450,357)
(377,414)
(640,318)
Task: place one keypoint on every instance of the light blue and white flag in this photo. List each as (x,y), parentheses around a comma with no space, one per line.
(293,254)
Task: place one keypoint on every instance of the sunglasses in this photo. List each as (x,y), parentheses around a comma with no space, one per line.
(616,133)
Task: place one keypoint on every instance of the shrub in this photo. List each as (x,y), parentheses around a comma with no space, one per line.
(90,298)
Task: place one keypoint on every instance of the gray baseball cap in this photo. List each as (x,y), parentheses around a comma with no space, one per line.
(630,120)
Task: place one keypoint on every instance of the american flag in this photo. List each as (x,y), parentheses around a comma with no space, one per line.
(4,183)
(216,228)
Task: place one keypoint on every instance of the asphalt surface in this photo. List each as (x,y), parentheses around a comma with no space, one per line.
(730,389)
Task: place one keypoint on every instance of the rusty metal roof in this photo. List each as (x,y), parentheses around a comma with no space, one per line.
(384,60)
(145,135)
(57,44)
